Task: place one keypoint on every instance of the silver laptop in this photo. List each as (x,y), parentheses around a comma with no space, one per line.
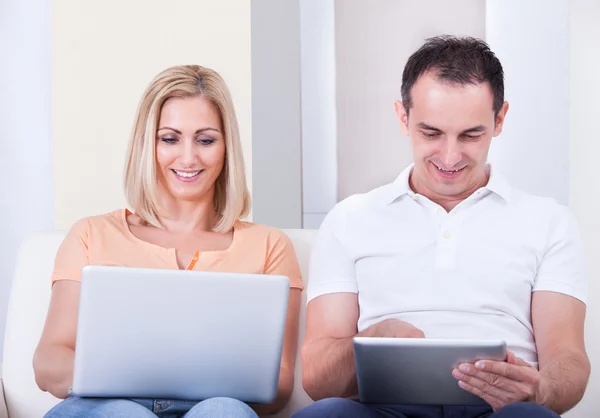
(176,334)
(418,371)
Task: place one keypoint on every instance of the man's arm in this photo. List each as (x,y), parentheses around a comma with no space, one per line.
(558,314)
(327,353)
(558,322)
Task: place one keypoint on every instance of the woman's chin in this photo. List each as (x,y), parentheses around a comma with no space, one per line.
(189,195)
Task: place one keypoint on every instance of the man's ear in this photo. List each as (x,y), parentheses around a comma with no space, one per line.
(500,119)
(402,113)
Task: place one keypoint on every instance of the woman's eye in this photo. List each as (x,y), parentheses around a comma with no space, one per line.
(206,141)
(169,140)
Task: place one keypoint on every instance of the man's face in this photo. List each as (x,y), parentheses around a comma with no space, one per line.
(450,127)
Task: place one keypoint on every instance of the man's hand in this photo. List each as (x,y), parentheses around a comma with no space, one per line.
(500,383)
(394,328)
(328,366)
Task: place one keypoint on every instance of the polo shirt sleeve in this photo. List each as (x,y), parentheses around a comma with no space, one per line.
(562,268)
(331,268)
(72,255)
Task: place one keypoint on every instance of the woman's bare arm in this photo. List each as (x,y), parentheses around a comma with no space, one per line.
(55,354)
(288,358)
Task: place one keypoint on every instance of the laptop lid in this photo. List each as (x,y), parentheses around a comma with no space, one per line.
(178,334)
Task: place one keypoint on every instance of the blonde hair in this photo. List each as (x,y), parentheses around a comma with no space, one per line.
(231,197)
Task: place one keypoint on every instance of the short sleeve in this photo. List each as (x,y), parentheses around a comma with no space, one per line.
(72,255)
(282,260)
(562,268)
(332,269)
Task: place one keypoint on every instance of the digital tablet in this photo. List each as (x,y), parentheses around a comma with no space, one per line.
(418,371)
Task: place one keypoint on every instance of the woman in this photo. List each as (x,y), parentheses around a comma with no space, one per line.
(185,183)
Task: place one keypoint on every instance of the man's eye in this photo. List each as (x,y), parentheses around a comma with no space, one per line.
(431,135)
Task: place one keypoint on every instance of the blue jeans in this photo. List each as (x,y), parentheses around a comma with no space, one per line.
(74,407)
(338,407)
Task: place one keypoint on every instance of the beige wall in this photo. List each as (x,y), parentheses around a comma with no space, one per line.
(584,110)
(584,175)
(104,55)
(373,41)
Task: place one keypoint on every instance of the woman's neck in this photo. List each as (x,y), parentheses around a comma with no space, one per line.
(188,216)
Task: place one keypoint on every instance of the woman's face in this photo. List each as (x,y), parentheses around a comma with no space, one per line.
(190,148)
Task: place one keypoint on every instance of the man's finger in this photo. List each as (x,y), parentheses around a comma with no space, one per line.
(491,378)
(503,368)
(483,385)
(510,357)
(521,362)
(494,402)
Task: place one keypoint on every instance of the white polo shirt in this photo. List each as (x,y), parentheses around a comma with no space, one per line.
(469,273)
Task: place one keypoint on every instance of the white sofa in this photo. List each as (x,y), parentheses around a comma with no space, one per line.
(28,303)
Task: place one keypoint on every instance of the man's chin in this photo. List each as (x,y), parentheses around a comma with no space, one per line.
(449,192)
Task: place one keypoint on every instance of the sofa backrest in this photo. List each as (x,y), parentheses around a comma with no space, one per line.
(30,295)
(28,304)
(302,240)
(27,308)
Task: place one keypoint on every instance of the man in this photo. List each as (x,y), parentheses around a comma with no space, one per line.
(450,250)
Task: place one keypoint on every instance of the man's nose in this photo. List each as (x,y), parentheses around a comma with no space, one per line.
(450,155)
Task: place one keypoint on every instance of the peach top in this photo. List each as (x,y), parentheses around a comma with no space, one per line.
(107,240)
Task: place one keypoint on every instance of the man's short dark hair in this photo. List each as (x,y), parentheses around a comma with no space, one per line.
(460,60)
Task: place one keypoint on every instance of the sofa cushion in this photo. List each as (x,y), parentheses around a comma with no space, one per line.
(28,304)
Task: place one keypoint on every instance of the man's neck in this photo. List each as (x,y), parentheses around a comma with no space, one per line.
(448,202)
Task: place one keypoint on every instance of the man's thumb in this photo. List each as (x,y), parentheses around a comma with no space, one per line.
(511,358)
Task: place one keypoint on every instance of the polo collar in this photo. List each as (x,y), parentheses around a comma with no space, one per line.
(497,184)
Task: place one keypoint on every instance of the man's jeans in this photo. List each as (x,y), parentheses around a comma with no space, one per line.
(339,407)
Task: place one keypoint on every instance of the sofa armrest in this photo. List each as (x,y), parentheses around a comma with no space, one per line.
(3,409)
